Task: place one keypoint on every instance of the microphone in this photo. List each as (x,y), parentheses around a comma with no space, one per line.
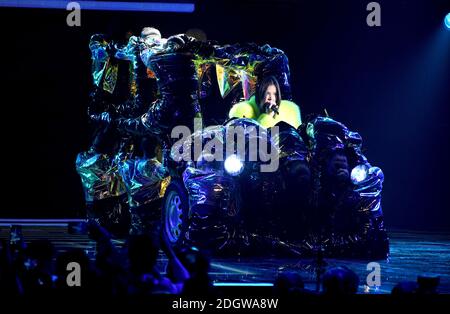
(272,108)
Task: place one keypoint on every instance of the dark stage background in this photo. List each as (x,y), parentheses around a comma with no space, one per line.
(390,83)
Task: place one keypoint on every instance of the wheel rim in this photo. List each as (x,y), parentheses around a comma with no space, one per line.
(173,216)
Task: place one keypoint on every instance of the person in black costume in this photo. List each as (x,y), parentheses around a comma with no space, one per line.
(345,217)
(177,86)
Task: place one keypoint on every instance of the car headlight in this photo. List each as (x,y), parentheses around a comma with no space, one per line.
(233,165)
(359,174)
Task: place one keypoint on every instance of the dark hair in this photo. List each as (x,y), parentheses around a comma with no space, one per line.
(340,280)
(262,87)
(288,282)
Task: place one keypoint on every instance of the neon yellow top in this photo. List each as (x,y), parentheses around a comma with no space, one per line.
(245,109)
(289,112)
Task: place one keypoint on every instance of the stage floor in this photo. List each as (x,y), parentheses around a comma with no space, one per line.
(412,254)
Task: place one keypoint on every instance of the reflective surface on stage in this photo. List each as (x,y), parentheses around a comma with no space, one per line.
(412,254)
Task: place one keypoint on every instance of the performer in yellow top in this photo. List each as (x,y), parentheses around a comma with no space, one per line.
(267,107)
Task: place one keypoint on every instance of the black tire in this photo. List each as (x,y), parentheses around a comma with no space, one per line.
(175,213)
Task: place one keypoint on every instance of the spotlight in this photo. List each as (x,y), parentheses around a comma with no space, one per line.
(447,21)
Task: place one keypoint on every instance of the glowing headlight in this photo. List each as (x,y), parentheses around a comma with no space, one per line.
(233,165)
(359,174)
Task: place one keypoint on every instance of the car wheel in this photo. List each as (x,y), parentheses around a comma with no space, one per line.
(175,212)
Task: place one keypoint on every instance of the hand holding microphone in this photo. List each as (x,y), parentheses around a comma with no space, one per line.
(271,108)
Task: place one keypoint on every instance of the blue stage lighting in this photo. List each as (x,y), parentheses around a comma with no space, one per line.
(447,21)
(102,5)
